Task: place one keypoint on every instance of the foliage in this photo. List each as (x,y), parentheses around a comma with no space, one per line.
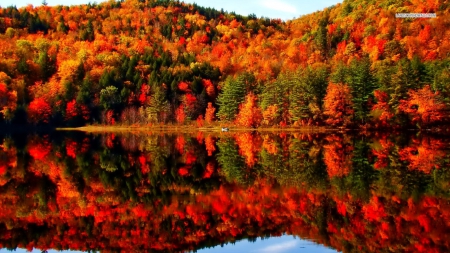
(148,58)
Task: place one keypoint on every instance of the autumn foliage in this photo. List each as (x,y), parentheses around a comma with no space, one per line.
(39,111)
(176,183)
(142,60)
(424,106)
(249,113)
(338,104)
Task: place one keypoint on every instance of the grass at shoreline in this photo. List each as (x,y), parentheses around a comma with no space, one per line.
(188,129)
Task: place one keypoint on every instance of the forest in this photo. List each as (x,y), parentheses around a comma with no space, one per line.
(153,62)
(180,192)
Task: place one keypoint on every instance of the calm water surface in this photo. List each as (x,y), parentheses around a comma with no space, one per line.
(209,192)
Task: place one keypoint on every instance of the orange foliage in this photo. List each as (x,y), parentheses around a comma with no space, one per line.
(249,146)
(249,114)
(209,143)
(200,121)
(381,109)
(183,86)
(269,115)
(337,157)
(209,87)
(338,104)
(424,156)
(424,106)
(209,114)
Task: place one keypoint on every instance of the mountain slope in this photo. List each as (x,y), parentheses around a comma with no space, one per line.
(159,61)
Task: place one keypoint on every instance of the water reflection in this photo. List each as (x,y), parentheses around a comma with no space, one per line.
(283,244)
(166,192)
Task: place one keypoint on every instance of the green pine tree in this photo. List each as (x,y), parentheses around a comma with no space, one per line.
(362,83)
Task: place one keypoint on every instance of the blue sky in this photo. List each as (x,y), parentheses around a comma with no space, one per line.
(284,9)
(283,244)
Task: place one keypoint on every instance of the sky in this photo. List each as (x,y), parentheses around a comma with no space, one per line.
(283,244)
(283,9)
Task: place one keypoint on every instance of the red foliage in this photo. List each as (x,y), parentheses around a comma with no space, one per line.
(143,96)
(110,119)
(200,121)
(209,115)
(424,106)
(183,86)
(39,150)
(338,104)
(180,142)
(209,87)
(180,116)
(209,143)
(71,110)
(190,101)
(39,111)
(337,157)
(71,149)
(332,28)
(182,41)
(382,109)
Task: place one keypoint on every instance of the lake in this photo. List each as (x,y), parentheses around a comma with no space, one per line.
(222,192)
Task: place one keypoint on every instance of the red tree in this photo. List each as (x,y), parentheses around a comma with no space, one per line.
(39,111)
(209,115)
(424,106)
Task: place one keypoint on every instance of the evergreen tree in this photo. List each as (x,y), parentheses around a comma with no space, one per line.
(362,83)
(158,104)
(402,81)
(232,164)
(109,97)
(231,96)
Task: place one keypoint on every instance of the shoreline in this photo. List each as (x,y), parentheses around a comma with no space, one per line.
(187,129)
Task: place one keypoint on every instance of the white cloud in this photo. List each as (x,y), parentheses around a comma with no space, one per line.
(279,247)
(279,6)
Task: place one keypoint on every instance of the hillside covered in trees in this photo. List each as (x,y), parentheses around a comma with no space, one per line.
(141,62)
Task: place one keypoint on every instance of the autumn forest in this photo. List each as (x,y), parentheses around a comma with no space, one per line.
(145,62)
(339,127)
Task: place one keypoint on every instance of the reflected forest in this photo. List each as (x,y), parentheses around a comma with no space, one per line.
(182,192)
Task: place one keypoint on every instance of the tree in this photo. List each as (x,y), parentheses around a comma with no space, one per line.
(362,84)
(424,106)
(277,95)
(109,97)
(46,62)
(401,82)
(39,111)
(381,111)
(180,115)
(209,114)
(338,104)
(157,105)
(8,102)
(231,96)
(308,91)
(249,114)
